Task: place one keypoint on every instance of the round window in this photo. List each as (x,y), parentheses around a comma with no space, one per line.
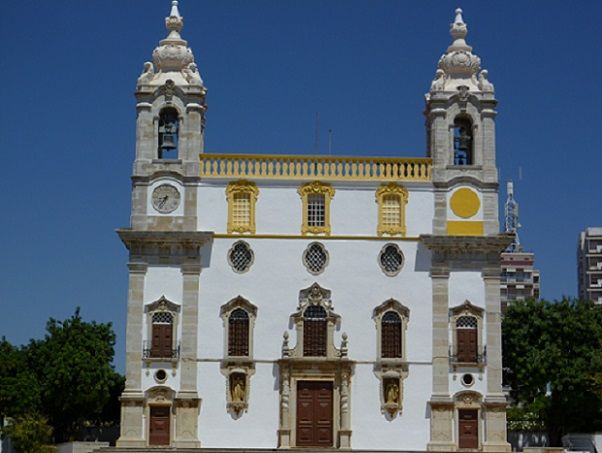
(390,259)
(315,258)
(160,375)
(240,257)
(467,379)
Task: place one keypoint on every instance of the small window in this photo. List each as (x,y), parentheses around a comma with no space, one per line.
(392,199)
(168,134)
(238,333)
(162,335)
(316,197)
(315,331)
(242,196)
(240,257)
(463,141)
(391,335)
(390,259)
(315,258)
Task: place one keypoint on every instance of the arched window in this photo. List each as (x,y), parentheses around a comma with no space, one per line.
(238,333)
(162,335)
(314,331)
(466,339)
(463,141)
(169,125)
(391,335)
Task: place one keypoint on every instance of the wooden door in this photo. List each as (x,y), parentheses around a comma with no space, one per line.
(314,414)
(159,425)
(162,340)
(468,428)
(467,345)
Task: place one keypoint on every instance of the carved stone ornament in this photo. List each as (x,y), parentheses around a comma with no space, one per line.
(315,295)
(148,73)
(173,53)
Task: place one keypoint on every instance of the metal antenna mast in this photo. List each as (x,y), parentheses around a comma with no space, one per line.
(511,222)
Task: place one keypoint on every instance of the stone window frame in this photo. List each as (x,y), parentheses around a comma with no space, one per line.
(455,313)
(391,370)
(316,188)
(468,399)
(382,251)
(306,251)
(247,188)
(397,190)
(238,367)
(314,295)
(162,305)
(231,249)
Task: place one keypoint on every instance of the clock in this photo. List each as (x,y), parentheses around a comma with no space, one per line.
(166,198)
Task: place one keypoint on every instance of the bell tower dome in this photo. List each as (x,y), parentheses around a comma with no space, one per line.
(460,123)
(170,124)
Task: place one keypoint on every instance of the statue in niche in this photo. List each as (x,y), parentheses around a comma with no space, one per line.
(238,388)
(438,83)
(484,84)
(392,393)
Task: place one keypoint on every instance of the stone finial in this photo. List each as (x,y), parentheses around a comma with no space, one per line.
(459,65)
(344,345)
(285,348)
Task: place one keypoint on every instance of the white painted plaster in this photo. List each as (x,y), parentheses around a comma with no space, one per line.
(466,285)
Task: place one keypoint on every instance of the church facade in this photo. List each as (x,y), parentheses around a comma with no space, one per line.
(309,301)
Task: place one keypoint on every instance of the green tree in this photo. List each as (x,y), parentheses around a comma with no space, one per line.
(29,434)
(19,389)
(73,367)
(551,355)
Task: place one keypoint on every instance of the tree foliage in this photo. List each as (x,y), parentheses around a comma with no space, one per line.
(551,358)
(67,377)
(29,434)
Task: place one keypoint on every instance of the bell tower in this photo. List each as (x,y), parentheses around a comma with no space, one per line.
(170,106)
(460,123)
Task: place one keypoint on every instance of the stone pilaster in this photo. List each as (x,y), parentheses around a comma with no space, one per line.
(440,282)
(495,427)
(132,429)
(186,429)
(345,431)
(442,426)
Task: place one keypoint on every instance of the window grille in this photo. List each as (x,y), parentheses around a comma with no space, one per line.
(162,317)
(466,322)
(391,335)
(241,210)
(240,257)
(314,331)
(315,258)
(238,333)
(316,210)
(391,211)
(391,259)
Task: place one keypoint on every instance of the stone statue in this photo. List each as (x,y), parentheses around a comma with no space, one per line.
(438,83)
(147,73)
(192,75)
(392,393)
(484,83)
(238,392)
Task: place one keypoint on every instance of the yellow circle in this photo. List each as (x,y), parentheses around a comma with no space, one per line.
(465,203)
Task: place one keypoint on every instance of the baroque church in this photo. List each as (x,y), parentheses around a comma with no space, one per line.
(280,301)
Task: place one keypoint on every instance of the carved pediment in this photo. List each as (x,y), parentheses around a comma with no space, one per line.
(391,304)
(162,304)
(238,302)
(466,308)
(315,295)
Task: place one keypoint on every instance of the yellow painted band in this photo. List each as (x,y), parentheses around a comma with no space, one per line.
(464,228)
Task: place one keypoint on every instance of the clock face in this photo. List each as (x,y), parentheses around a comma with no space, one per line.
(166,198)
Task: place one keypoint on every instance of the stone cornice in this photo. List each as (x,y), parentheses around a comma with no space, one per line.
(165,245)
(466,245)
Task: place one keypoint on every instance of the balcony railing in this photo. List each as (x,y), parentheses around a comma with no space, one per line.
(148,353)
(480,359)
(326,168)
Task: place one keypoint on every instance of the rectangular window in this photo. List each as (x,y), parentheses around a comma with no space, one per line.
(314,337)
(391,340)
(391,211)
(316,210)
(241,212)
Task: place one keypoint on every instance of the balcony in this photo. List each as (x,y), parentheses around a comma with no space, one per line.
(171,355)
(480,362)
(324,168)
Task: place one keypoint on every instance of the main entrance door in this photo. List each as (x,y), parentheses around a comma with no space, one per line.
(469,428)
(314,414)
(159,425)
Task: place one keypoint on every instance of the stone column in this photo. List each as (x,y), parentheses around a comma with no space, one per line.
(284,431)
(494,406)
(441,404)
(187,400)
(132,398)
(345,429)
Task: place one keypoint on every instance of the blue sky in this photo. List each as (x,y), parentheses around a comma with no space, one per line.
(68,73)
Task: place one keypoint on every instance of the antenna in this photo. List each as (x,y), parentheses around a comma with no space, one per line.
(317,133)
(511,219)
(330,142)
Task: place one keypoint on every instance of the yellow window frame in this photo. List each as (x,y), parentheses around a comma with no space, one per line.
(304,192)
(402,194)
(247,188)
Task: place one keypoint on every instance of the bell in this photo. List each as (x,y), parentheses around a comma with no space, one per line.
(168,142)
